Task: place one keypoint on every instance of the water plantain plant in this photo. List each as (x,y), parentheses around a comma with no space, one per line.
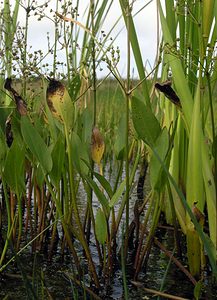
(54,147)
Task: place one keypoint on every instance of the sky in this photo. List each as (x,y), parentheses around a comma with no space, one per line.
(145,23)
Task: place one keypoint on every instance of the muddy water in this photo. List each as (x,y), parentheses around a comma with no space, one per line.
(58,285)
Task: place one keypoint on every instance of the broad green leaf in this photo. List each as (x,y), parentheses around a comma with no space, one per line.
(39,176)
(102,180)
(86,120)
(65,109)
(36,144)
(145,122)
(3,148)
(105,184)
(79,154)
(198,290)
(99,194)
(118,193)
(120,142)
(4,112)
(101,226)
(161,146)
(14,167)
(58,158)
(52,122)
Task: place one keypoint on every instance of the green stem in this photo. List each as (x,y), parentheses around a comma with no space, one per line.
(25,49)
(66,50)
(126,293)
(55,42)
(132,175)
(75,209)
(67,234)
(20,219)
(128,12)
(9,229)
(93,52)
(7,37)
(155,219)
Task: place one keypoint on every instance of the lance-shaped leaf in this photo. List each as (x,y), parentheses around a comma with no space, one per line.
(58,155)
(101,226)
(79,154)
(14,167)
(145,122)
(161,146)
(36,144)
(99,194)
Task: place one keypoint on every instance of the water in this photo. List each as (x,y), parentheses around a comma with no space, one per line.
(57,274)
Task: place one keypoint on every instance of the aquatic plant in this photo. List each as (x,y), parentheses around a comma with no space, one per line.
(56,139)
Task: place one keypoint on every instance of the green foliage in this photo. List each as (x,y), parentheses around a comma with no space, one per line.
(3,149)
(79,154)
(101,226)
(100,196)
(36,144)
(49,161)
(198,290)
(157,176)
(14,168)
(58,158)
(145,122)
(119,146)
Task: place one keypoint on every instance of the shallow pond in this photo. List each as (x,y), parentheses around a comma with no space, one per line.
(34,277)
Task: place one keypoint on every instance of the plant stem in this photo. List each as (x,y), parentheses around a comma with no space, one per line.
(75,209)
(25,49)
(123,265)
(128,12)
(55,42)
(93,53)
(66,49)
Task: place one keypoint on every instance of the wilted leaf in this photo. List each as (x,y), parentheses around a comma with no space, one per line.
(60,103)
(97,146)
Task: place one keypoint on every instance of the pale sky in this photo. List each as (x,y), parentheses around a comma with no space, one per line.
(145,23)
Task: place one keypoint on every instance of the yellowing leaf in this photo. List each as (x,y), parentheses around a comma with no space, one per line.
(60,103)
(97,146)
